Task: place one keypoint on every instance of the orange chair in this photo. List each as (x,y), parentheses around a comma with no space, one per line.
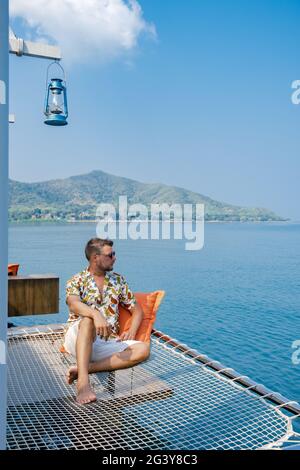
(13,269)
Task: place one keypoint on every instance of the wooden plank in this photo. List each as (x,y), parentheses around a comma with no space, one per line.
(33,295)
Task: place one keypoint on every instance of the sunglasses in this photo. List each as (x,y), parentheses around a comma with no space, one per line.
(110,255)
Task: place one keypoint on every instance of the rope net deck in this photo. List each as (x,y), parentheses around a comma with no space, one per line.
(171,401)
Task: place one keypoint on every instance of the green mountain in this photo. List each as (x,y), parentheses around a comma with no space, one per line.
(77,197)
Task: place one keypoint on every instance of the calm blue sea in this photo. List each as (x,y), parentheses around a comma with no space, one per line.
(237,300)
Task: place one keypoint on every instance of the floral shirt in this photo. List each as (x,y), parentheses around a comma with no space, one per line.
(115,291)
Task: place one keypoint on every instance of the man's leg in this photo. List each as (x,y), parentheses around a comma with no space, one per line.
(130,357)
(84,344)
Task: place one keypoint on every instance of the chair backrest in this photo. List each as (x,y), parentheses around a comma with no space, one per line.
(13,269)
(149,302)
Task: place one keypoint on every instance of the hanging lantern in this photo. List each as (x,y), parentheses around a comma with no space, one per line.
(56,106)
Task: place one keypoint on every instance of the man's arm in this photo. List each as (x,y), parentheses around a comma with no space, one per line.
(80,308)
(136,320)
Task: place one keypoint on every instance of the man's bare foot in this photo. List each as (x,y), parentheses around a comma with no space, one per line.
(85,394)
(72,375)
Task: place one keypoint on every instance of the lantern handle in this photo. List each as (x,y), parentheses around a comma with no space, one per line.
(55,62)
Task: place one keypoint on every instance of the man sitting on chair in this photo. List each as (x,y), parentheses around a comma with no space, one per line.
(93,297)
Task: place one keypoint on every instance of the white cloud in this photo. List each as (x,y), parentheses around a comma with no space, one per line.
(85,29)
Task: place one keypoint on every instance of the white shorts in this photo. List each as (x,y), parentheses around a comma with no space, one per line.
(101,348)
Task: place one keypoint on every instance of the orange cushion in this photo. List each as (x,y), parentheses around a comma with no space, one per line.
(149,303)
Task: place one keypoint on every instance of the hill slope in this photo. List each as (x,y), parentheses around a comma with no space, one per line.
(77,197)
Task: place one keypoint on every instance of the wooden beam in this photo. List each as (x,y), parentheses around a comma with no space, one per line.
(33,295)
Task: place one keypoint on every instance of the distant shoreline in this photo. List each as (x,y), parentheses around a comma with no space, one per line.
(39,222)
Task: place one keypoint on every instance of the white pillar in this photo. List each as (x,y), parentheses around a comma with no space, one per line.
(3,212)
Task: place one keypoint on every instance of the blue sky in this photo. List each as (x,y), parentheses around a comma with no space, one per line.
(205,105)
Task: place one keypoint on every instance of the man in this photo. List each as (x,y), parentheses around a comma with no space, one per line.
(93,337)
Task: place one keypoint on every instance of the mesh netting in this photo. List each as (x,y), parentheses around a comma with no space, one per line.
(168,402)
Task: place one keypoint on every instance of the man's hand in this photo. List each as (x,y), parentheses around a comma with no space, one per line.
(103,329)
(130,334)
(137,316)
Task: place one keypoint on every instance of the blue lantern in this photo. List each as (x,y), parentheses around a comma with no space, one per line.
(56,106)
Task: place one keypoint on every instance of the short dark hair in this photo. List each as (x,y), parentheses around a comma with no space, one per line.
(94,245)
